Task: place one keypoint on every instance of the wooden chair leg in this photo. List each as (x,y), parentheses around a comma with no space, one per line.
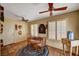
(70,51)
(63,50)
(77,51)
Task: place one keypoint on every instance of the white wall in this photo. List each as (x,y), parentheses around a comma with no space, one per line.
(10,35)
(54,43)
(72,25)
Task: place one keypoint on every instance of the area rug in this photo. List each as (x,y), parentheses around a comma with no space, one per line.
(28,51)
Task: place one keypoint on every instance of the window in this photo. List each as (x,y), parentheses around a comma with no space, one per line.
(57,30)
(63,29)
(51,30)
(34,29)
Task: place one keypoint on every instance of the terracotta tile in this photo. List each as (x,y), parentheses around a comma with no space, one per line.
(12,49)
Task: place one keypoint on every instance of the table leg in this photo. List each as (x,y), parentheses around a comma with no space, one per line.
(70,51)
(77,51)
(63,50)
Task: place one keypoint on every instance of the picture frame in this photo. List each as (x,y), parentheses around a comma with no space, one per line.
(42,29)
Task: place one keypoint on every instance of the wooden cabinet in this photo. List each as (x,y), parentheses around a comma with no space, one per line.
(2,13)
(0,49)
(1,44)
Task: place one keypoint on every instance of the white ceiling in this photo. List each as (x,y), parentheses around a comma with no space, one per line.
(31,10)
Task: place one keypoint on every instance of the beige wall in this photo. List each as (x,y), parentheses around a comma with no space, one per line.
(72,25)
(10,35)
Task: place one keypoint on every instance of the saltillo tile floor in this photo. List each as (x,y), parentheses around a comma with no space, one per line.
(12,49)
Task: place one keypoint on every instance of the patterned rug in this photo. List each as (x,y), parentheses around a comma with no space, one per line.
(28,51)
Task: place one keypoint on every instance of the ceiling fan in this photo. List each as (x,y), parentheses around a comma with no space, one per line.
(23,19)
(51,8)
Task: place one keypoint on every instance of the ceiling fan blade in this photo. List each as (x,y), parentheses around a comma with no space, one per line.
(62,8)
(43,11)
(50,8)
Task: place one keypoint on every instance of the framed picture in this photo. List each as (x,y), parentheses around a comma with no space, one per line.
(20,32)
(16,27)
(20,26)
(42,29)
